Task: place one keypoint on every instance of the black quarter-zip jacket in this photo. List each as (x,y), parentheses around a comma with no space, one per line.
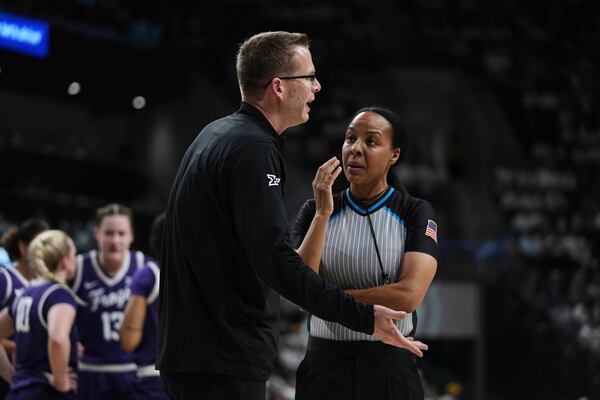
(227,251)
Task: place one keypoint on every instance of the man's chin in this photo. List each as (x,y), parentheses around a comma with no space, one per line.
(300,122)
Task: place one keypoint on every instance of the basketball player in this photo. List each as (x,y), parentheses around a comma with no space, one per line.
(15,278)
(102,281)
(140,323)
(42,319)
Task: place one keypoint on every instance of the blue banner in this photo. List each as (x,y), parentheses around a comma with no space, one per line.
(24,35)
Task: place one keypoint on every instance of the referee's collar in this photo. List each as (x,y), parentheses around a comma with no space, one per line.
(360,209)
(249,109)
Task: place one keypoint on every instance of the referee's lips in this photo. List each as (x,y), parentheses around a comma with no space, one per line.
(354,167)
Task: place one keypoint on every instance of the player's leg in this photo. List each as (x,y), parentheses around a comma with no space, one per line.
(148,388)
(120,385)
(92,385)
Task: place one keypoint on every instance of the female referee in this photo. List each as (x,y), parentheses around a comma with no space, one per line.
(380,244)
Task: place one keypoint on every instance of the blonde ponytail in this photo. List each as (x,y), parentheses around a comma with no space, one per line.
(45,253)
(37,262)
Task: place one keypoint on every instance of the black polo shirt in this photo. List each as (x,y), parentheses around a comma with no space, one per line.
(226,247)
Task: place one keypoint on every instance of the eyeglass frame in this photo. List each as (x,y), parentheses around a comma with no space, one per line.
(311,77)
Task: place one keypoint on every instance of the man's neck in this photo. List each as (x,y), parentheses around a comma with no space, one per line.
(270,113)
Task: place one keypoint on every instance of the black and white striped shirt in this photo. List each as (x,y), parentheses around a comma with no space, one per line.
(349,258)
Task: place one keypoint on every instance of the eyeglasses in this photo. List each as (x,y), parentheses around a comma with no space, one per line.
(311,78)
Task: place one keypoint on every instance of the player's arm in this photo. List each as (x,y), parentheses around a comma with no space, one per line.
(418,270)
(133,323)
(144,290)
(6,324)
(312,246)
(6,286)
(6,368)
(6,329)
(60,321)
(9,346)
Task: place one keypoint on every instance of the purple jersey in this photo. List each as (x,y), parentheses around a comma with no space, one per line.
(12,283)
(148,385)
(29,313)
(145,284)
(99,322)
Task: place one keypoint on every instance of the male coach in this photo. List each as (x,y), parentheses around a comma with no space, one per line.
(226,243)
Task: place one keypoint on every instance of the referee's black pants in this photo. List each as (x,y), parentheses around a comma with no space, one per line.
(195,386)
(357,370)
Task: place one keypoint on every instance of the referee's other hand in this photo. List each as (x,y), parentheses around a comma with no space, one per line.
(386,331)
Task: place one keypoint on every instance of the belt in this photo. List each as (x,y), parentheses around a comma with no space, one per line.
(349,347)
(147,371)
(129,367)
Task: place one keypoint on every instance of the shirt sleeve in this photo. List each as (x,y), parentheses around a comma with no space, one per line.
(6,292)
(143,282)
(59,296)
(262,226)
(303,221)
(422,230)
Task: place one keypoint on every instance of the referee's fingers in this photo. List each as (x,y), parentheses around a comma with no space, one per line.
(330,165)
(336,173)
(393,314)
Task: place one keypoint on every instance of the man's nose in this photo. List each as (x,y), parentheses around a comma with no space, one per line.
(316,85)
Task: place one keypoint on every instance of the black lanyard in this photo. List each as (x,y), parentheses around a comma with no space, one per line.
(384,276)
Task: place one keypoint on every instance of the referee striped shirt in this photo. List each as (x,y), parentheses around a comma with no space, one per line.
(349,257)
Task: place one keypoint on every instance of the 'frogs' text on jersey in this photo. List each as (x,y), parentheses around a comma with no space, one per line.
(99,298)
(100,320)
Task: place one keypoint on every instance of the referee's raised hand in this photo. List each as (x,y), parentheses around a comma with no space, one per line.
(386,331)
(322,183)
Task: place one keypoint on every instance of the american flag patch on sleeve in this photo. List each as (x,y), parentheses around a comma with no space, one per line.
(431,230)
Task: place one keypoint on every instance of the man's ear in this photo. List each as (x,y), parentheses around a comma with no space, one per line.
(276,86)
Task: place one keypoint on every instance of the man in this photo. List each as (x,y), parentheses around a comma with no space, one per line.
(226,241)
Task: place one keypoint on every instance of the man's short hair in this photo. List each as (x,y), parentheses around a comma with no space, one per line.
(264,56)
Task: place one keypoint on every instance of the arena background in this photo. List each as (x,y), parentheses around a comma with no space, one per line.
(501,101)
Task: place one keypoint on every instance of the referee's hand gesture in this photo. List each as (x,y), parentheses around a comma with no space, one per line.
(386,331)
(322,183)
